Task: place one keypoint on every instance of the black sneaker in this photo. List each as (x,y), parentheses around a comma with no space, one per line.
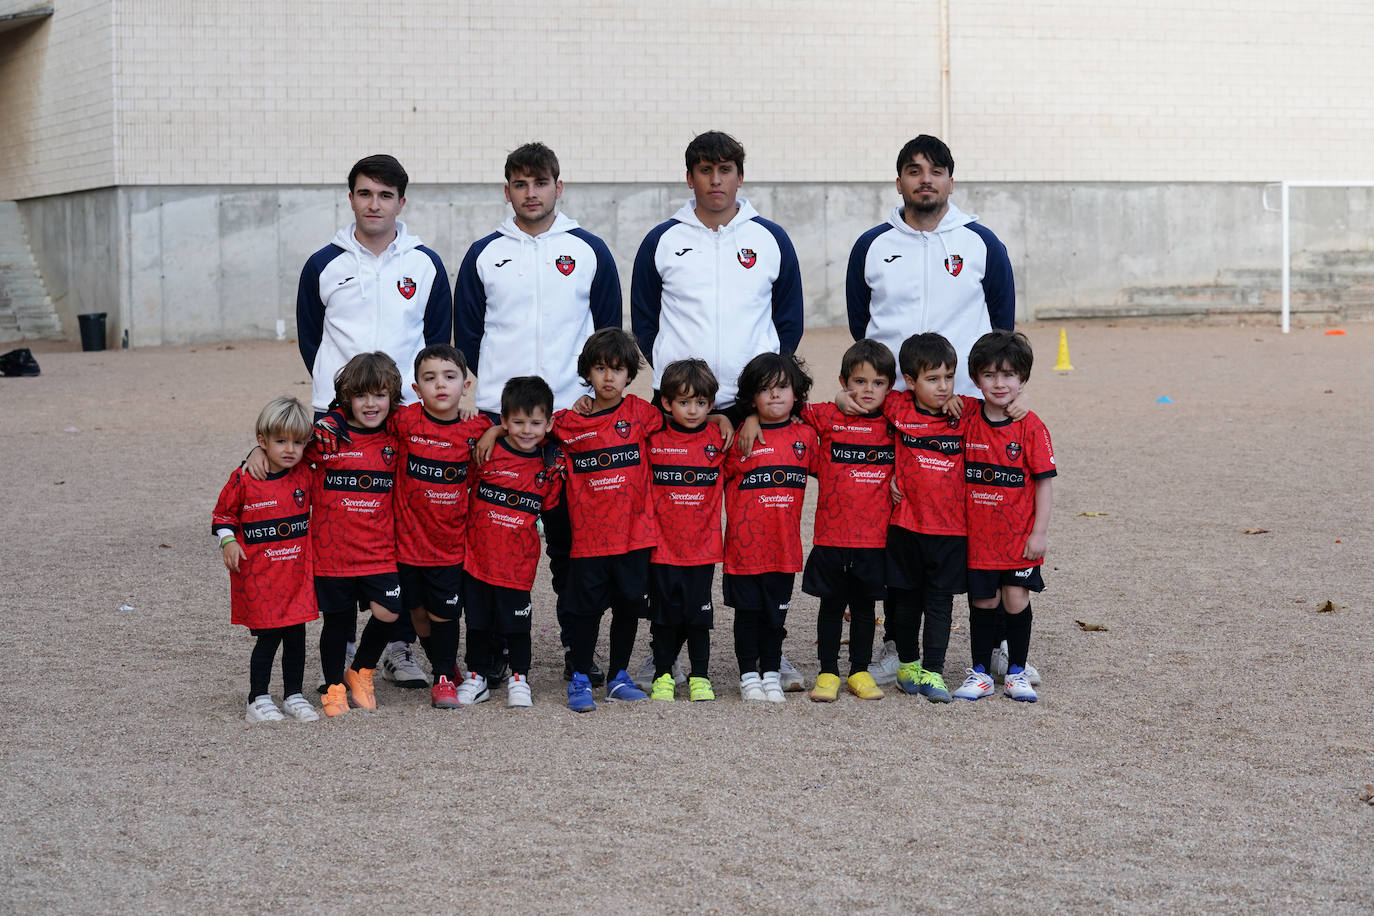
(18,363)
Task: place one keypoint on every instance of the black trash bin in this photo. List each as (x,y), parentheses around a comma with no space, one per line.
(92,331)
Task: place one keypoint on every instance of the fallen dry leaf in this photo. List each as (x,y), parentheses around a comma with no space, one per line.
(1368,794)
(165,545)
(1255,531)
(1091,627)
(1327,607)
(1091,514)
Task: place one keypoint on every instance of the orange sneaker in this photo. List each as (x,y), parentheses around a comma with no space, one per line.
(335,700)
(360,685)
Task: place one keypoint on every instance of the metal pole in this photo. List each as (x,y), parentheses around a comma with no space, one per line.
(1283,208)
(944,71)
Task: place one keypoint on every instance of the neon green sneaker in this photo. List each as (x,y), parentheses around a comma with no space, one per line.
(933,687)
(909,676)
(663,688)
(700,688)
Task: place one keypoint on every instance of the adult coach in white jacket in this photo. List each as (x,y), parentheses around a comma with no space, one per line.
(930,267)
(375,287)
(717,281)
(530,294)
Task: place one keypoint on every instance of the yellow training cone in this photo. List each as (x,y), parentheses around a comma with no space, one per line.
(1063,365)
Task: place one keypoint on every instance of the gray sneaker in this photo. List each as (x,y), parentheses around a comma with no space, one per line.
(884,667)
(398,665)
(791,678)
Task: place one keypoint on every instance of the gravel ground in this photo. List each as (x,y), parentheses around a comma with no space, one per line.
(1207,751)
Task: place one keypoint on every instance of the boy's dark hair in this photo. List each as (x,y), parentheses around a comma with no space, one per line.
(526,393)
(441,351)
(933,148)
(611,347)
(769,369)
(874,353)
(382,169)
(997,347)
(926,351)
(533,159)
(367,373)
(713,147)
(688,378)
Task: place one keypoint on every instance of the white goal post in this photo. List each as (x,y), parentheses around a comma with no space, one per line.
(1284,187)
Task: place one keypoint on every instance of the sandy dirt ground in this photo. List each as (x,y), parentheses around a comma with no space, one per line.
(1206,751)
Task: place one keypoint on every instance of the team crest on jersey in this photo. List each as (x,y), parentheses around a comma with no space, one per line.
(954,263)
(472,442)
(952,422)
(565,264)
(1013,450)
(622,427)
(406,287)
(747,257)
(541,478)
(298,495)
(712,451)
(388,455)
(799,449)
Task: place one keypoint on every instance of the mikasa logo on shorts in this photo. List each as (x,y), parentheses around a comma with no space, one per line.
(1024,573)
(394,592)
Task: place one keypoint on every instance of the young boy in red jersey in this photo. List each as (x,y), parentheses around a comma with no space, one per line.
(509,490)
(354,528)
(764,491)
(264,536)
(846,567)
(613,524)
(1009,469)
(435,445)
(685,458)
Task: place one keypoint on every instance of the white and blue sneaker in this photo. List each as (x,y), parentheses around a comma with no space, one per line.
(1017,686)
(621,687)
(976,686)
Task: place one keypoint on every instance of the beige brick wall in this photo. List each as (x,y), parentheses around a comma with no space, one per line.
(57,110)
(266,92)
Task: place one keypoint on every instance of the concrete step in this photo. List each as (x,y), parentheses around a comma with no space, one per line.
(26,312)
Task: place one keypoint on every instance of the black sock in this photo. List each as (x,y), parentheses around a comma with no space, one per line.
(518,647)
(372,643)
(335,633)
(984,632)
(663,642)
(935,640)
(582,631)
(292,659)
(829,629)
(624,627)
(747,639)
(1018,636)
(861,627)
(904,622)
(699,650)
(442,648)
(260,663)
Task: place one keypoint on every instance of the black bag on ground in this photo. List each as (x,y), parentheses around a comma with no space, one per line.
(18,362)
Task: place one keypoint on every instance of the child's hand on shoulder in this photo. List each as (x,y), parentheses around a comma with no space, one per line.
(750,434)
(583,405)
(486,444)
(1018,408)
(727,429)
(255,465)
(847,404)
(954,406)
(466,413)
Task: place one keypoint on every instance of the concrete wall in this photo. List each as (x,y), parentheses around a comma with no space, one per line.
(178,265)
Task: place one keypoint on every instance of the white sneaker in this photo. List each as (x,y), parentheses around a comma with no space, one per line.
(792,681)
(644,677)
(976,686)
(299,708)
(1032,675)
(751,687)
(884,667)
(1000,662)
(1018,687)
(398,665)
(518,693)
(262,709)
(473,690)
(772,687)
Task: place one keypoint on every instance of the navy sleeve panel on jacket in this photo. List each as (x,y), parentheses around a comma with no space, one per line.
(470,304)
(999,287)
(309,307)
(788,310)
(646,291)
(439,311)
(607,304)
(857,295)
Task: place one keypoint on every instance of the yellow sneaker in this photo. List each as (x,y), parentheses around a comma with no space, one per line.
(335,700)
(827,689)
(663,688)
(863,687)
(360,685)
(700,689)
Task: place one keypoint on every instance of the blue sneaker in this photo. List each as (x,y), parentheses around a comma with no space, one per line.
(933,687)
(621,687)
(580,694)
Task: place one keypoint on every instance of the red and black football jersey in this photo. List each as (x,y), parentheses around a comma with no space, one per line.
(608,477)
(930,464)
(508,493)
(686,494)
(275,584)
(854,467)
(1002,461)
(763,500)
(354,524)
(432,489)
